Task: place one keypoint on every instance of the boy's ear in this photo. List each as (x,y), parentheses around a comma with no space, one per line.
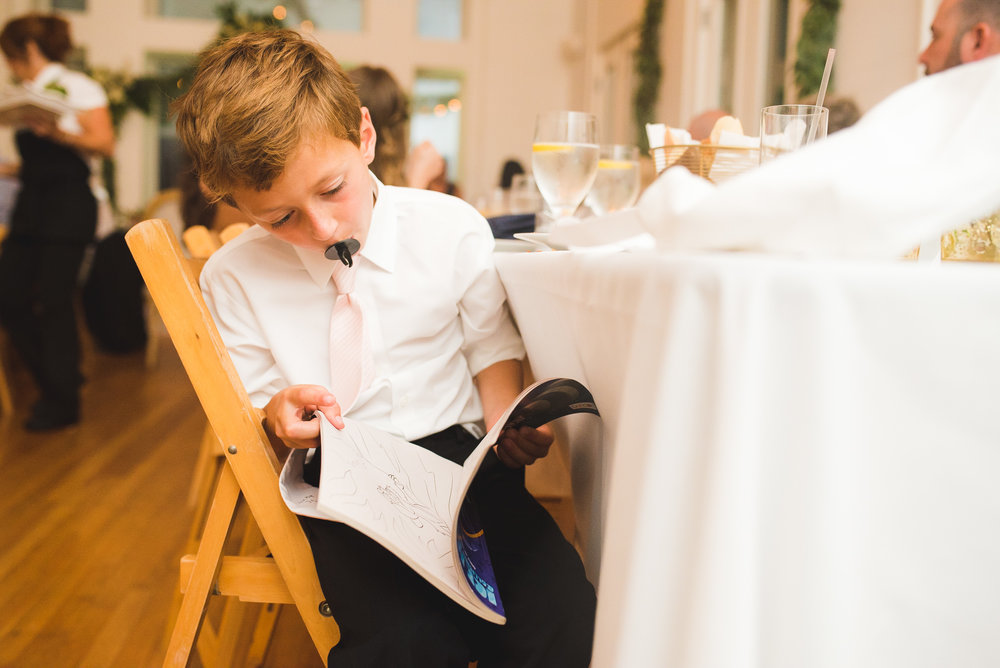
(368,138)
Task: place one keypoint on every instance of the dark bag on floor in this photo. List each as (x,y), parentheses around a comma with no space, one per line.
(113,299)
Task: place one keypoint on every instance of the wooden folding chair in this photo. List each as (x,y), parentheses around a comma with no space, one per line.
(284,572)
(200,243)
(166,204)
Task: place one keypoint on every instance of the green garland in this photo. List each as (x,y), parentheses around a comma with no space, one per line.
(819,30)
(236,23)
(648,71)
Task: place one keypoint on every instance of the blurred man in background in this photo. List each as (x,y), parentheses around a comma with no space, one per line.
(963,31)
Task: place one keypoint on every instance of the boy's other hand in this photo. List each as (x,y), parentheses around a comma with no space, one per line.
(522,446)
(290,412)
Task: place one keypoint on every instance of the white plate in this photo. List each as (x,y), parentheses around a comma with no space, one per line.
(540,239)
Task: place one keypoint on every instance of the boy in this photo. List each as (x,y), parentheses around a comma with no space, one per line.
(276,130)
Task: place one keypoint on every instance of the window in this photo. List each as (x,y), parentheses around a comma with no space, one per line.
(728,64)
(169,154)
(440,19)
(343,15)
(72,5)
(777,51)
(437,115)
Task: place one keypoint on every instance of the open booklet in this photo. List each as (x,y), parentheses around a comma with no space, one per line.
(413,502)
(19,106)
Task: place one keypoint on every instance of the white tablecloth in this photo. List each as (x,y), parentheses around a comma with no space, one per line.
(802,458)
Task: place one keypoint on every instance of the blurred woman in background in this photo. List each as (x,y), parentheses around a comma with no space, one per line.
(390,112)
(54,216)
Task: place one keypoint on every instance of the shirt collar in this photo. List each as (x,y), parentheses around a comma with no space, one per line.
(380,246)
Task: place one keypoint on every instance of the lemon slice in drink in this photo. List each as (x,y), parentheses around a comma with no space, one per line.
(614,164)
(545,148)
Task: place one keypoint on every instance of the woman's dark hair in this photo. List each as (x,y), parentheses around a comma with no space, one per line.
(390,112)
(510,169)
(49,32)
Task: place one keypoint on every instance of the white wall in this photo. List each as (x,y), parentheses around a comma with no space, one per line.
(519,57)
(878,42)
(524,56)
(528,59)
(611,67)
(877,46)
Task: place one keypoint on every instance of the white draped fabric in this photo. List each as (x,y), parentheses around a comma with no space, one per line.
(801,458)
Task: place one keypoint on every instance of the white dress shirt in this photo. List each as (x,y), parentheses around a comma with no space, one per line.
(75,88)
(81,93)
(434,309)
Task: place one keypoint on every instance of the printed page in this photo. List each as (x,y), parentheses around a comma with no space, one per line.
(474,558)
(410,500)
(401,495)
(542,402)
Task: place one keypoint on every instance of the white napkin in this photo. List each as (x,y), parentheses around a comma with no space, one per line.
(677,190)
(791,138)
(919,164)
(727,138)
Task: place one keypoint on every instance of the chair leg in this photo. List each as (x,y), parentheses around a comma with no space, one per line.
(235,612)
(207,562)
(204,481)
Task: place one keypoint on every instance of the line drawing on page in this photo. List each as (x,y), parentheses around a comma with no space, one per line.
(380,479)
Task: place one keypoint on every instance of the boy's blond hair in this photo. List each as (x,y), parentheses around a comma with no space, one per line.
(254,98)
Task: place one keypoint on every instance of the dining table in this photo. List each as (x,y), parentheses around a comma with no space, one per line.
(799,462)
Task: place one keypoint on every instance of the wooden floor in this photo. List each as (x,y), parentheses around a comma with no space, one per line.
(94,518)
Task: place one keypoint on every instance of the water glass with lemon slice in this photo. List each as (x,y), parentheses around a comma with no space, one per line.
(564,159)
(616,186)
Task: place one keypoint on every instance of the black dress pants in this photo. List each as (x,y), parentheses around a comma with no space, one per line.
(390,616)
(38,281)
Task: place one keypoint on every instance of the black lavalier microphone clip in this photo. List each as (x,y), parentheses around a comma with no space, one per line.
(342,251)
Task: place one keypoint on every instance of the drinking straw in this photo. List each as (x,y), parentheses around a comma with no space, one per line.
(822,87)
(826,77)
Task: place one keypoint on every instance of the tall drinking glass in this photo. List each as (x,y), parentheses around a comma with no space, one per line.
(564,159)
(787,127)
(616,186)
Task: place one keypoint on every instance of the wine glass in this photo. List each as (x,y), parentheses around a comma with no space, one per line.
(616,186)
(564,159)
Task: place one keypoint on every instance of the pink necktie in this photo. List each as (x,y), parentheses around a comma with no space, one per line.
(351,366)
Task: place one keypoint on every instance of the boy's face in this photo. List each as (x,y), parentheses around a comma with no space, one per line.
(325,194)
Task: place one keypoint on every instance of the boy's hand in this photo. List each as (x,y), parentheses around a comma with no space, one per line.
(289,414)
(522,446)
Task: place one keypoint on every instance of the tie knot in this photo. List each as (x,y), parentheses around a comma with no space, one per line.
(343,278)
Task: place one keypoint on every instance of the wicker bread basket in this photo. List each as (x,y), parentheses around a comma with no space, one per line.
(709,161)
